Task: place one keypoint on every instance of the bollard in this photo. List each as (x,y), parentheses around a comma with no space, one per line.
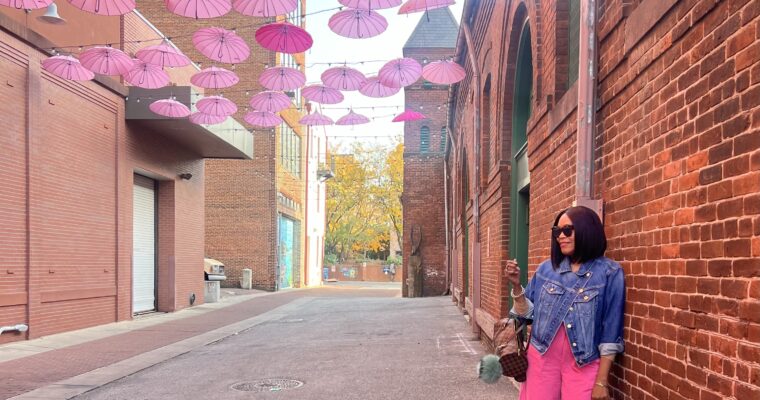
(247,279)
(211,295)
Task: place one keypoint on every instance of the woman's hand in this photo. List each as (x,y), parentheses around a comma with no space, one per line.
(600,393)
(512,272)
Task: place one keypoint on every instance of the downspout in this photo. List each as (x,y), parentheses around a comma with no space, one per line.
(306,253)
(586,108)
(446,214)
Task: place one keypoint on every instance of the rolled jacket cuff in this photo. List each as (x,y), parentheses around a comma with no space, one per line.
(607,349)
(526,313)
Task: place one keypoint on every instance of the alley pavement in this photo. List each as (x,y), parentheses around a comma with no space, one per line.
(342,341)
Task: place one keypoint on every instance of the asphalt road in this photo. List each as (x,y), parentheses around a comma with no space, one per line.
(345,346)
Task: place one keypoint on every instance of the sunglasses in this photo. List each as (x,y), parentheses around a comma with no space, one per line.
(567,230)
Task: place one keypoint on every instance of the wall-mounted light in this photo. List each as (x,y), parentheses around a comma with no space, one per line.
(186,176)
(18,327)
(51,16)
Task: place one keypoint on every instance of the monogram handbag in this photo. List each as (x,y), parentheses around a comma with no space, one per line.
(510,358)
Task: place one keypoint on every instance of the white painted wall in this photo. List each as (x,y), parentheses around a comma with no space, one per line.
(315,220)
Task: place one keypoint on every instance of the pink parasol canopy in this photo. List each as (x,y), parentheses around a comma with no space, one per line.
(270,101)
(284,37)
(409,115)
(67,67)
(205,119)
(146,75)
(413,6)
(221,45)
(216,105)
(163,55)
(104,7)
(443,72)
(26,4)
(169,108)
(322,94)
(282,78)
(373,88)
(315,118)
(352,118)
(263,119)
(400,72)
(199,9)
(214,78)
(370,4)
(343,78)
(265,8)
(357,23)
(106,60)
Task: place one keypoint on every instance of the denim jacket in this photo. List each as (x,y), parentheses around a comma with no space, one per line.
(589,303)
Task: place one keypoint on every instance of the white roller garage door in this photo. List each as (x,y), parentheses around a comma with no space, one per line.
(144,245)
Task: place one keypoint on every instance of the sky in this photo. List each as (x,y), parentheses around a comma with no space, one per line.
(331,48)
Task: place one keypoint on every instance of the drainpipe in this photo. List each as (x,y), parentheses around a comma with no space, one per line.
(306,224)
(586,108)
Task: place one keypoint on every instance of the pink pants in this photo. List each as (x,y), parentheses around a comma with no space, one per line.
(555,375)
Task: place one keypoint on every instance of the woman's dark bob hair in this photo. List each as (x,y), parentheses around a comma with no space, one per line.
(590,241)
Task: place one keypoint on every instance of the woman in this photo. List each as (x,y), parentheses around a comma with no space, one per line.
(576,300)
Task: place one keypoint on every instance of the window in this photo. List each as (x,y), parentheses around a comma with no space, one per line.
(290,150)
(573,41)
(287,60)
(443,139)
(427,85)
(424,139)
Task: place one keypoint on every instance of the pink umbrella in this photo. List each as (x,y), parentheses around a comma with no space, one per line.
(67,67)
(343,78)
(106,61)
(270,101)
(26,4)
(284,37)
(169,108)
(358,24)
(315,118)
(443,72)
(352,118)
(205,119)
(400,72)
(262,118)
(163,55)
(216,105)
(413,6)
(282,78)
(199,8)
(409,115)
(322,94)
(214,78)
(373,88)
(265,8)
(104,7)
(370,4)
(221,45)
(147,76)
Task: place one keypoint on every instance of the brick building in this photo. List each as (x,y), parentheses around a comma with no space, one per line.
(254,208)
(97,222)
(433,39)
(669,154)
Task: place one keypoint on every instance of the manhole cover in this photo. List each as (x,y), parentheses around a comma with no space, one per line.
(267,385)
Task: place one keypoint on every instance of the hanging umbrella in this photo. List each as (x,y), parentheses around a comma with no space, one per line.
(270,101)
(315,118)
(358,24)
(67,67)
(373,88)
(343,78)
(282,78)
(352,118)
(265,8)
(409,115)
(370,4)
(26,4)
(199,8)
(413,6)
(284,37)
(264,119)
(206,119)
(104,7)
(169,108)
(106,60)
(322,94)
(443,72)
(216,105)
(214,78)
(146,75)
(221,45)
(400,72)
(163,55)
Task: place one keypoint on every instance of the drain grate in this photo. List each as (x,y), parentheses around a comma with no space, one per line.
(267,385)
